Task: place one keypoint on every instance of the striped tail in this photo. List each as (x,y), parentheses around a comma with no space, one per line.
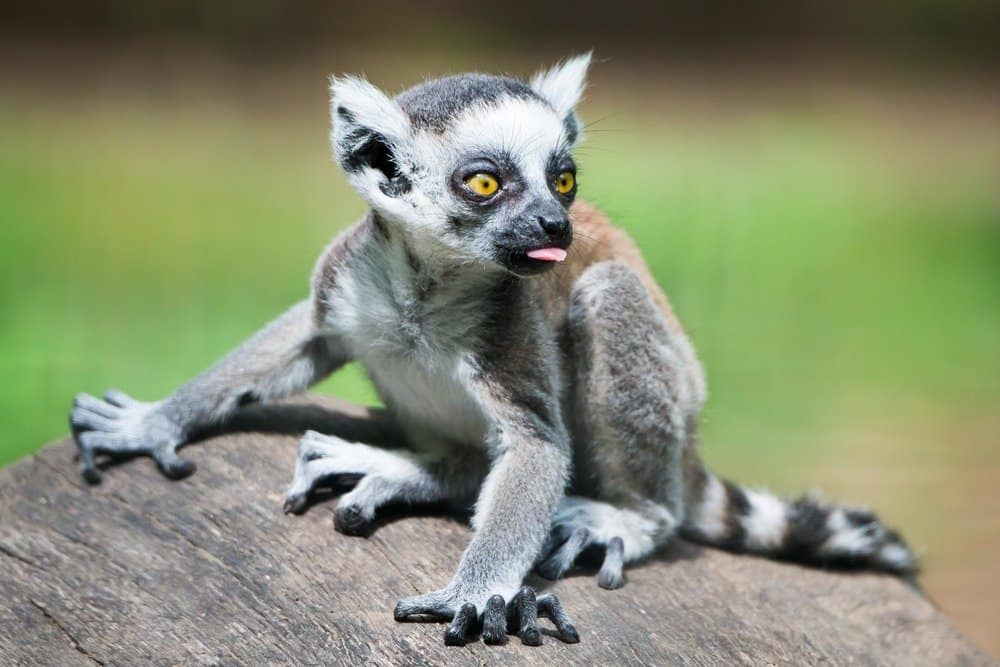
(807,530)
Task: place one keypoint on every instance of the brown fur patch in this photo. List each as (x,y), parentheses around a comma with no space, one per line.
(596,240)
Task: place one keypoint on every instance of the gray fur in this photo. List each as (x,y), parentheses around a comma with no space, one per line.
(433,104)
(499,401)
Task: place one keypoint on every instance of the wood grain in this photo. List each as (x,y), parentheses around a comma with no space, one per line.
(208,570)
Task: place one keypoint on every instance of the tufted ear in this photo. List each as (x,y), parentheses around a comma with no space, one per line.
(562,85)
(368,128)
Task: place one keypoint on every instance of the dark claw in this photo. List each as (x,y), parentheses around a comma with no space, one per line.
(89,469)
(349,520)
(295,504)
(458,632)
(495,621)
(174,467)
(611,576)
(549,607)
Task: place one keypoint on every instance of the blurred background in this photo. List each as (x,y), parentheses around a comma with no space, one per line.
(816,185)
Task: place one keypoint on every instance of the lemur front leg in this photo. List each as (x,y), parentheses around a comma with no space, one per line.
(636,393)
(285,357)
(381,477)
(529,471)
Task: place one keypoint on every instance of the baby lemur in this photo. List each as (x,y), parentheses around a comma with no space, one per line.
(521,346)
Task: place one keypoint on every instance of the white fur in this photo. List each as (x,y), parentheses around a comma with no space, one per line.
(710,515)
(896,555)
(605,521)
(766,522)
(527,130)
(418,362)
(846,539)
(370,107)
(562,85)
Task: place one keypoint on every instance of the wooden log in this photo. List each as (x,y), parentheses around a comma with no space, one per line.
(208,570)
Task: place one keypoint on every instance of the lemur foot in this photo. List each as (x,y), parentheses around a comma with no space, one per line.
(322,461)
(566,543)
(121,426)
(624,534)
(326,460)
(519,617)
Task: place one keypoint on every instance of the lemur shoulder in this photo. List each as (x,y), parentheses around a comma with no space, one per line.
(533,367)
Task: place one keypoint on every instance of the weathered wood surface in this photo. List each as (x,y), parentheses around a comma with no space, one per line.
(141,570)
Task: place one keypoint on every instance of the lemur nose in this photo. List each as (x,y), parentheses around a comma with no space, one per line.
(554,226)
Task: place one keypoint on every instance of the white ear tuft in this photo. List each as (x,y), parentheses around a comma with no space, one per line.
(355,103)
(562,85)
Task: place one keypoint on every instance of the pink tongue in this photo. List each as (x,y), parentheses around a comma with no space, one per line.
(548,254)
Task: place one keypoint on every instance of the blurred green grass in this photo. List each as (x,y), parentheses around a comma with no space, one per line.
(809,262)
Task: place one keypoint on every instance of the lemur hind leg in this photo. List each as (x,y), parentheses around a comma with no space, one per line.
(636,393)
(381,477)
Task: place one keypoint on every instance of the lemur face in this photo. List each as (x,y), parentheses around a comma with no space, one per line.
(473,168)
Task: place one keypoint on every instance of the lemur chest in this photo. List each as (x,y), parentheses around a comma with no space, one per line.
(417,350)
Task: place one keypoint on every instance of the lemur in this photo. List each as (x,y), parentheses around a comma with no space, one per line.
(534,369)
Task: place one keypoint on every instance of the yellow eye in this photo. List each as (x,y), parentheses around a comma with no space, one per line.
(483,185)
(565,182)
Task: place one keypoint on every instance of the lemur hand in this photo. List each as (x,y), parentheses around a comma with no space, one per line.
(119,425)
(497,619)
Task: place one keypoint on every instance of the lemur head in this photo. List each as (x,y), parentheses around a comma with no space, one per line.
(474,169)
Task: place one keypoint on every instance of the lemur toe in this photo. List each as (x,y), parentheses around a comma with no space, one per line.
(350,520)
(88,469)
(173,466)
(522,615)
(563,557)
(430,606)
(495,621)
(119,398)
(462,626)
(549,607)
(86,403)
(295,503)
(611,576)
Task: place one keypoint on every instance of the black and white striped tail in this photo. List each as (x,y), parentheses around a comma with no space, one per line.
(807,530)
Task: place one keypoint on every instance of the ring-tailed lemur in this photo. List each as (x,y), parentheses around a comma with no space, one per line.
(550,384)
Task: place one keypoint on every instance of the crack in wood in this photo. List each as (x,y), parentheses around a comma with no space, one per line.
(73,640)
(16,556)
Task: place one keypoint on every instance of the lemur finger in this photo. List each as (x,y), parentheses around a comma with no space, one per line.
(88,467)
(611,576)
(522,617)
(119,398)
(100,442)
(84,419)
(564,557)
(422,605)
(495,621)
(462,626)
(314,445)
(172,465)
(549,607)
(95,405)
